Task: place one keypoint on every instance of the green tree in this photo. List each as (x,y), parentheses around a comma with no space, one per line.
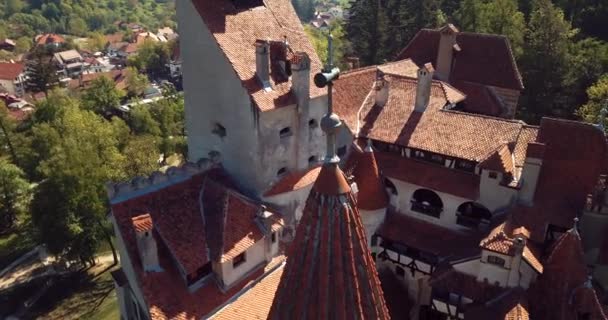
(544,62)
(77,26)
(7,128)
(598,99)
(42,72)
(14,194)
(136,82)
(23,45)
(142,122)
(13,6)
(152,58)
(142,155)
(70,205)
(102,97)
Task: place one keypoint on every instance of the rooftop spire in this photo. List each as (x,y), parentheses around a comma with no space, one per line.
(329,273)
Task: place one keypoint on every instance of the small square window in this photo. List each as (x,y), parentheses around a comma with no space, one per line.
(285,132)
(238,260)
(312,123)
(281,171)
(493,175)
(496,260)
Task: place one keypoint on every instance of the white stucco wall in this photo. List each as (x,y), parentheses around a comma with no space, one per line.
(9,85)
(493,195)
(127,267)
(254,256)
(447,219)
(291,204)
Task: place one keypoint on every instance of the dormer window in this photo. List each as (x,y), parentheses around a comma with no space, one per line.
(285,132)
(219,130)
(239,260)
(496,260)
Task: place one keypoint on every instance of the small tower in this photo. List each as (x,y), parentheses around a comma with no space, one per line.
(372,199)
(423,88)
(146,244)
(329,272)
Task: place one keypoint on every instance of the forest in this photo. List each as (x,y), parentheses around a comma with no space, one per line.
(561,47)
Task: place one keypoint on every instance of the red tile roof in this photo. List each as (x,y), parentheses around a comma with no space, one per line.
(142,223)
(482,58)
(294,181)
(351,90)
(563,290)
(451,133)
(187,241)
(405,68)
(511,305)
(571,165)
(371,195)
(49,38)
(255,303)
(431,176)
(500,160)
(480,99)
(502,240)
(449,280)
(10,71)
(428,237)
(236,31)
(329,272)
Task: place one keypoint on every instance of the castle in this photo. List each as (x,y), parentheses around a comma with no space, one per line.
(405,190)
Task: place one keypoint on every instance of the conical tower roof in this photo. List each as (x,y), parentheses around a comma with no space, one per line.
(329,273)
(371,195)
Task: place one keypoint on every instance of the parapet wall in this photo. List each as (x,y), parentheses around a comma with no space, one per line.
(122,191)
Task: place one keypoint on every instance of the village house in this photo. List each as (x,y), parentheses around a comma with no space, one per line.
(12,78)
(49,40)
(393,196)
(69,63)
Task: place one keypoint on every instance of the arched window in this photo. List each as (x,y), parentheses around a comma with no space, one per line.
(388,184)
(473,215)
(285,132)
(427,202)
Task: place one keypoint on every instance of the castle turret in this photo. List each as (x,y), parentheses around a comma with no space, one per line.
(329,272)
(372,199)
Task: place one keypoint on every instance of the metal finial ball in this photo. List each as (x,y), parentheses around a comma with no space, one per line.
(330,123)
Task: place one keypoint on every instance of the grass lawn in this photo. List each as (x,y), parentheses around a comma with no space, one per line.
(84,295)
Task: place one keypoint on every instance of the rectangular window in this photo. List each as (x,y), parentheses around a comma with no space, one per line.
(465,165)
(341,151)
(496,260)
(493,175)
(238,260)
(273,237)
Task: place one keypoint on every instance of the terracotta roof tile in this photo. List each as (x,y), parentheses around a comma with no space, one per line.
(479,99)
(351,90)
(405,68)
(483,58)
(428,237)
(329,272)
(10,71)
(500,160)
(142,223)
(571,166)
(510,305)
(236,32)
(371,195)
(451,133)
(255,303)
(294,181)
(502,240)
(183,237)
(528,134)
(449,280)
(458,183)
(49,38)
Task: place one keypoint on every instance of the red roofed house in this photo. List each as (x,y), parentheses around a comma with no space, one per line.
(482,66)
(49,40)
(436,212)
(12,78)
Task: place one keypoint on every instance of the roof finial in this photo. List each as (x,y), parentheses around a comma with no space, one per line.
(330,122)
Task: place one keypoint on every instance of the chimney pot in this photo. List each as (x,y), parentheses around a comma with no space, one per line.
(262,63)
(382,87)
(445,55)
(423,88)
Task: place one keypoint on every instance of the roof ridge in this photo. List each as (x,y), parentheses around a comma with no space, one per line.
(514,121)
(357,70)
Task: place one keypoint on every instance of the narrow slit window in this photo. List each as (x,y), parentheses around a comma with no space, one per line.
(285,132)
(282,171)
(219,130)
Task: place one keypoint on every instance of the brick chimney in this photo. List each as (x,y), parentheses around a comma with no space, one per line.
(146,244)
(300,86)
(262,63)
(381,88)
(423,89)
(447,43)
(531,172)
